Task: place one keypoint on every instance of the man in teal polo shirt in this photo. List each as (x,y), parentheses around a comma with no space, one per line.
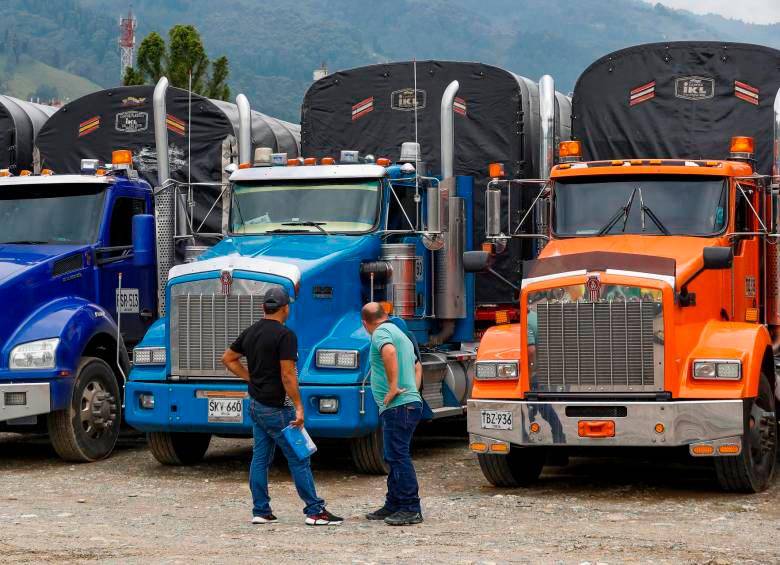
(394,388)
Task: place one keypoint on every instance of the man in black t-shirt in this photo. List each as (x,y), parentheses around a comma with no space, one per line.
(271,351)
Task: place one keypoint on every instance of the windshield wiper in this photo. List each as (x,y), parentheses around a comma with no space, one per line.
(282,230)
(649,212)
(317,225)
(23,242)
(623,212)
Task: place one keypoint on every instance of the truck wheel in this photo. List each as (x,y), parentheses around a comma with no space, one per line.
(518,468)
(368,453)
(181,448)
(751,471)
(88,429)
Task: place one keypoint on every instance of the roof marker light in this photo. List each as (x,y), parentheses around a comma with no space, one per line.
(122,157)
(309,161)
(742,147)
(46,172)
(383,162)
(25,173)
(496,170)
(327,161)
(5,173)
(245,165)
(569,151)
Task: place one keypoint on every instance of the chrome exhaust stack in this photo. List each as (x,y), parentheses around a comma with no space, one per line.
(244,129)
(547,115)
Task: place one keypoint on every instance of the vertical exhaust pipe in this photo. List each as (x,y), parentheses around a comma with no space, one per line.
(547,116)
(448,130)
(244,129)
(161,131)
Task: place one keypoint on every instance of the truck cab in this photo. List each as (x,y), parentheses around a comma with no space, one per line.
(643,322)
(336,235)
(66,246)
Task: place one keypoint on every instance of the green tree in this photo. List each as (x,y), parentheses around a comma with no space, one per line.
(183,55)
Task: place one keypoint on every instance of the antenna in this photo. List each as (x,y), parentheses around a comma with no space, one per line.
(127,27)
(417,155)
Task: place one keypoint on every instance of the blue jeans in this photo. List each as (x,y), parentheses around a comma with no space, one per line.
(398,425)
(267,425)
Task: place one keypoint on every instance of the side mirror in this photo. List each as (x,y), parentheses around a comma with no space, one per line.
(143,240)
(231,168)
(718,258)
(476,261)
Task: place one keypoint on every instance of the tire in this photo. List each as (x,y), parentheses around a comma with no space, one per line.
(88,429)
(518,468)
(751,471)
(180,448)
(368,453)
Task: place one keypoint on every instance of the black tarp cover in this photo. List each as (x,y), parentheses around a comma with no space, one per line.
(20,121)
(677,100)
(94,125)
(496,120)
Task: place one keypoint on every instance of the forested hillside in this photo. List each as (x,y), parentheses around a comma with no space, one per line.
(273,48)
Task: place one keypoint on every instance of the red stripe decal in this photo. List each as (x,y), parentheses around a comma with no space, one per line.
(746,98)
(369,100)
(636,101)
(362,113)
(745,86)
(89,121)
(643,87)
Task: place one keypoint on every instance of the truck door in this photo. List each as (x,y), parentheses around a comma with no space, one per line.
(137,296)
(745,305)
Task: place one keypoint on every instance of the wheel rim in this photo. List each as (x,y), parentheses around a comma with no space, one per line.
(97,410)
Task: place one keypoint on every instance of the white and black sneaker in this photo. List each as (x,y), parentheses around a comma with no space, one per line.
(324,518)
(267,519)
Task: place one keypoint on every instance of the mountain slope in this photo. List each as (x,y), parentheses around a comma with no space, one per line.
(273,48)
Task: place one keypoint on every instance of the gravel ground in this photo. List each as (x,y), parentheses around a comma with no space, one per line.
(130,509)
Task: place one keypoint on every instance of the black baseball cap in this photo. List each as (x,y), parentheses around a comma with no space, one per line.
(276,297)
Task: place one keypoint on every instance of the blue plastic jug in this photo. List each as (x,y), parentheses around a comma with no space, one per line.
(300,441)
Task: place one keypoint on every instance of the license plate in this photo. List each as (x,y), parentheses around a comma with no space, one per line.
(226,410)
(496,420)
(127,301)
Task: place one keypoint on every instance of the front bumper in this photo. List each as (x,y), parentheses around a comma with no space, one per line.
(26,399)
(683,422)
(181,407)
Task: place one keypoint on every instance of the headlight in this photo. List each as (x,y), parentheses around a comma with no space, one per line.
(504,370)
(726,369)
(149,356)
(34,355)
(337,358)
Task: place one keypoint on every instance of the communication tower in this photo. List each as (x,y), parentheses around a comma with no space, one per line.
(127,26)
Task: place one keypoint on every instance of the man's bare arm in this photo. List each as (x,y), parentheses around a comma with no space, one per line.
(232,360)
(290,383)
(418,374)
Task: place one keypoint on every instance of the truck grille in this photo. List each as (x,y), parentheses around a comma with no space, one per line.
(601,346)
(204,324)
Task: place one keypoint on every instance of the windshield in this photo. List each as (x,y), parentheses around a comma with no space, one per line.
(348,206)
(51,213)
(641,204)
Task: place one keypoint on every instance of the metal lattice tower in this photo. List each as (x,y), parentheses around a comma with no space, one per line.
(127,26)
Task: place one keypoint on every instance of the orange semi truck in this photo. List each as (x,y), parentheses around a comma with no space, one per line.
(650,317)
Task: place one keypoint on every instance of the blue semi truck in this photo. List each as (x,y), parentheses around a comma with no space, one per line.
(74,249)
(336,232)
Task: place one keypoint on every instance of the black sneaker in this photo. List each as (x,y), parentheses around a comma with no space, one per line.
(324,518)
(404,518)
(380,514)
(267,519)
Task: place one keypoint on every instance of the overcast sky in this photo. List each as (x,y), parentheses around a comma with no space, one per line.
(756,11)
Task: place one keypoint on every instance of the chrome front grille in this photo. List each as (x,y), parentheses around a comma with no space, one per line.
(613,346)
(205,322)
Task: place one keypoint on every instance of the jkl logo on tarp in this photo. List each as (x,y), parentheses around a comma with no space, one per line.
(694,88)
(407,99)
(132,121)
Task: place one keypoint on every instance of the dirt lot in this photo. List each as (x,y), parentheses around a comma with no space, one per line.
(129,509)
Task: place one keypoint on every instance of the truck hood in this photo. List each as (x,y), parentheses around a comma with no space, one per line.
(15,259)
(685,251)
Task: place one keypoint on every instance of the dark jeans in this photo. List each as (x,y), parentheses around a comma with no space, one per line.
(267,424)
(398,426)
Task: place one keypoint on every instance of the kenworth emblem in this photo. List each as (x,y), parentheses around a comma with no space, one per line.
(407,99)
(226,278)
(594,288)
(694,88)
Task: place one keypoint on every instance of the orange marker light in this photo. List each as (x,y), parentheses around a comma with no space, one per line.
(309,161)
(122,157)
(702,449)
(293,162)
(479,447)
(729,449)
(383,162)
(499,448)
(502,317)
(655,161)
(535,427)
(46,172)
(5,173)
(25,173)
(496,170)
(245,165)
(569,150)
(596,428)
(328,161)
(387,307)
(742,144)
(617,162)
(659,428)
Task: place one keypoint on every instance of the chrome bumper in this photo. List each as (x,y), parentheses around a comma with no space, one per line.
(682,423)
(35,400)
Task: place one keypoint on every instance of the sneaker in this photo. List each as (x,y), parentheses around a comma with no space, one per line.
(324,518)
(404,518)
(267,519)
(380,514)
